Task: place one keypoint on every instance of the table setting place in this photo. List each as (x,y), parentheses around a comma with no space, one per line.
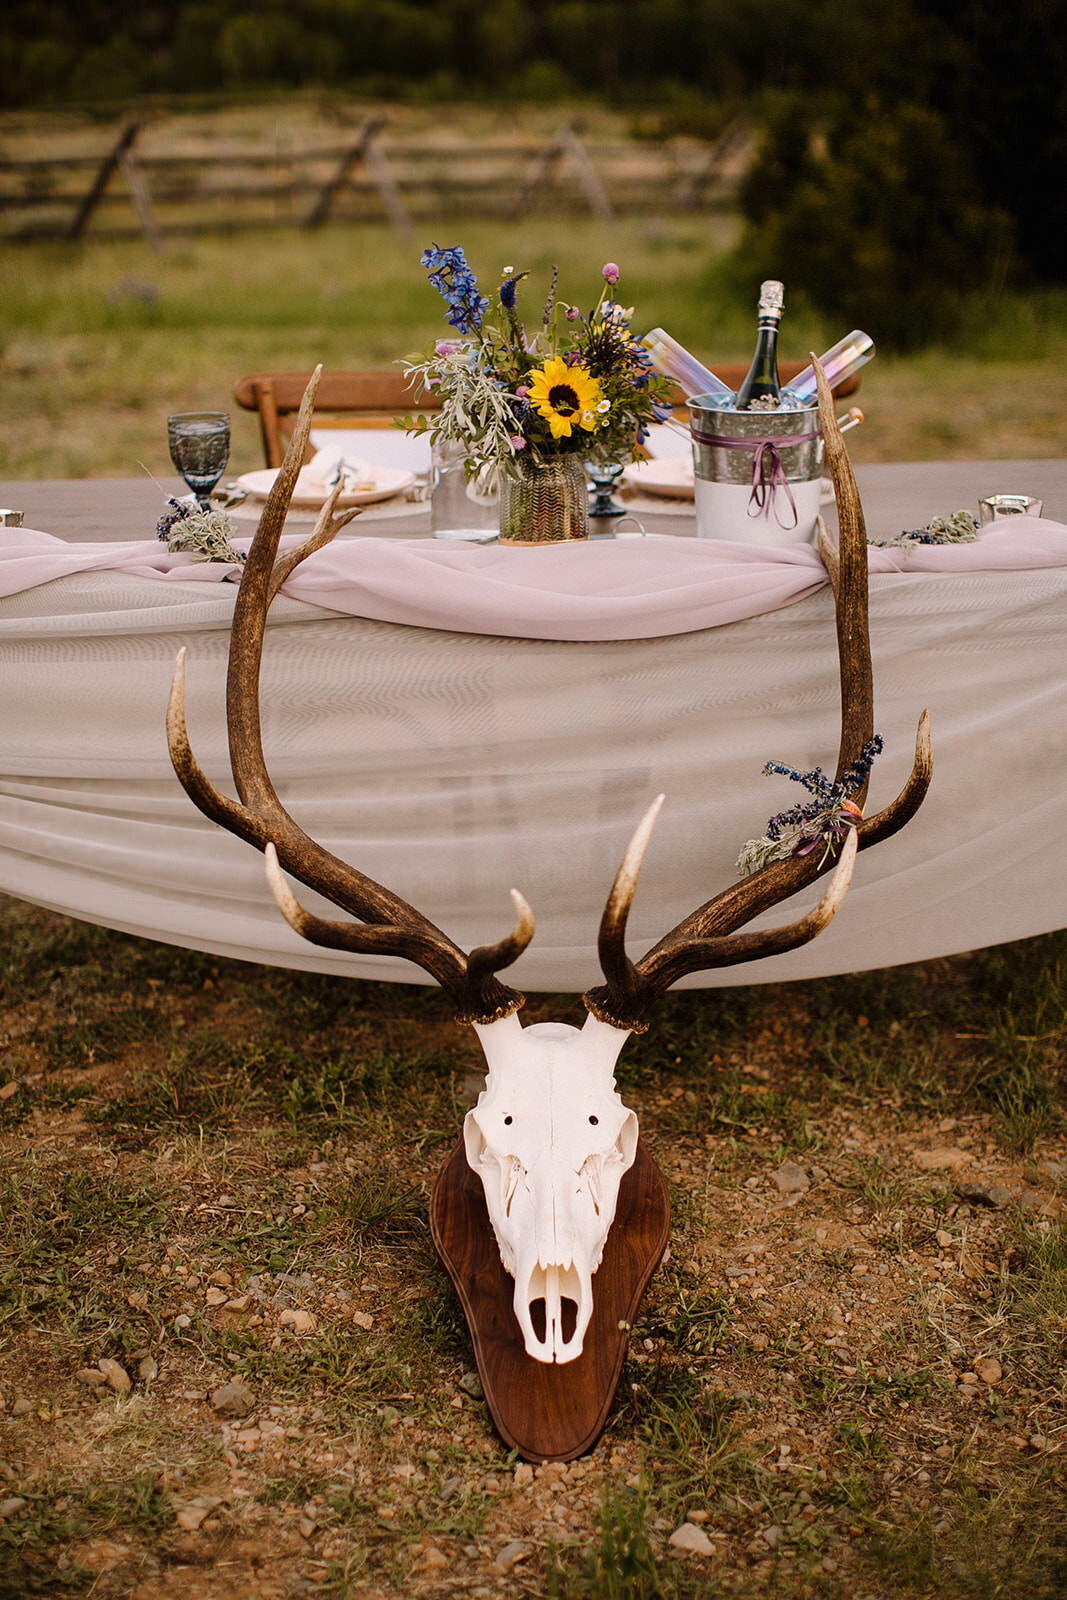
(555,428)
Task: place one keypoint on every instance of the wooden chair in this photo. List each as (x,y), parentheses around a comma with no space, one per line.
(374,399)
(345,399)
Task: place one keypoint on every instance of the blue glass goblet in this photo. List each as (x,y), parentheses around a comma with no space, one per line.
(200,448)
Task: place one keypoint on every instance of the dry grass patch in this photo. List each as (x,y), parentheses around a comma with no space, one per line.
(848,1376)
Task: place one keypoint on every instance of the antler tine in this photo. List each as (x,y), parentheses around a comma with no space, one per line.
(622,976)
(701,955)
(487,958)
(385,939)
(388,923)
(707,937)
(848,575)
(326,528)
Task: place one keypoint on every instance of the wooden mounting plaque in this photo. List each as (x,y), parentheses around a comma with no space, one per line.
(544,1411)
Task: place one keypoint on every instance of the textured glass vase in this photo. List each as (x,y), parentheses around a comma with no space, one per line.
(543,502)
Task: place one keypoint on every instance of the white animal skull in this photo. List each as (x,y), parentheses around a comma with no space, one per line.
(550,1140)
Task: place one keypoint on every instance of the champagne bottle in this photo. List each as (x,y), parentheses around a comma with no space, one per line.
(676,363)
(847,356)
(761,383)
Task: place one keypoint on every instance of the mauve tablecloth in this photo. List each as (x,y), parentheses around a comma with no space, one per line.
(452,764)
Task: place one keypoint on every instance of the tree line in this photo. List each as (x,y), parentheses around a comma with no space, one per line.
(916,148)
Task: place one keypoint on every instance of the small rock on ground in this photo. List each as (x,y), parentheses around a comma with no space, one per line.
(234,1399)
(299,1321)
(993,1195)
(790,1179)
(115,1375)
(945,1156)
(691,1539)
(510,1557)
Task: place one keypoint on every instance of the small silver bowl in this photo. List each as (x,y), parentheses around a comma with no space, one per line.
(1008,505)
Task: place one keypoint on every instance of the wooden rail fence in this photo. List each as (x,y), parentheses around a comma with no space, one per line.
(368,179)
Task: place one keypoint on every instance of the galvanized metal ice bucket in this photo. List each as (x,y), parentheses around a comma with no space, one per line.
(757,474)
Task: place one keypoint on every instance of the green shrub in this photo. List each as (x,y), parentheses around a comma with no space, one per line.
(874,220)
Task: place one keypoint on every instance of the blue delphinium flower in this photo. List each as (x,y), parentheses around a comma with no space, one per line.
(457,285)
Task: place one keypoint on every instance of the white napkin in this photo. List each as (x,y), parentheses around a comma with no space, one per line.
(326,463)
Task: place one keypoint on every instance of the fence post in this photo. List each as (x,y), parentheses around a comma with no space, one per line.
(536,175)
(691,188)
(565,144)
(380,170)
(360,151)
(595,192)
(122,145)
(138,187)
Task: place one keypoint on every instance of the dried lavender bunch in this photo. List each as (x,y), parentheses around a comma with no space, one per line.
(822,823)
(183,526)
(959,528)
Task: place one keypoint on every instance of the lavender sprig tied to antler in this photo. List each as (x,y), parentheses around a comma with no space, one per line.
(206,534)
(822,823)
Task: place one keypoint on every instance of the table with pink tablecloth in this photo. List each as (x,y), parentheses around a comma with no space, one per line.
(458,719)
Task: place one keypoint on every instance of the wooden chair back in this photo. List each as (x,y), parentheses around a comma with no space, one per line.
(374,399)
(366,399)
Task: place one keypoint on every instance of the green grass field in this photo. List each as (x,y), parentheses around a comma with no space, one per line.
(99,341)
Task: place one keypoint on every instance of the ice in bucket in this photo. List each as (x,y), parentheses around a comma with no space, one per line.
(757,474)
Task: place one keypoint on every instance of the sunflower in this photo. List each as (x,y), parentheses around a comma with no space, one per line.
(567,397)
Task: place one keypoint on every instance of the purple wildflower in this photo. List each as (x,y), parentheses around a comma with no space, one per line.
(507,291)
(611,272)
(177,513)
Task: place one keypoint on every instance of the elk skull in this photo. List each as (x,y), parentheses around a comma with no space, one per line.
(550,1140)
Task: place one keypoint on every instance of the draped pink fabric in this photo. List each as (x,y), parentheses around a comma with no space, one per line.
(638,588)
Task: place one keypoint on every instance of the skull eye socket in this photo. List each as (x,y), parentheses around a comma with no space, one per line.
(507,1122)
(593,1120)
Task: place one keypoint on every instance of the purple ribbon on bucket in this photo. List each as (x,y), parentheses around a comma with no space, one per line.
(767,473)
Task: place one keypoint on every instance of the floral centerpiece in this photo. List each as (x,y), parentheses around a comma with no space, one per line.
(528,403)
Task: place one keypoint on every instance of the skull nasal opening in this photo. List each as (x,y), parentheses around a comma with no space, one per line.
(568,1319)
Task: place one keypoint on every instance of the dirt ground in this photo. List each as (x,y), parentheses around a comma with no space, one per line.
(231,1367)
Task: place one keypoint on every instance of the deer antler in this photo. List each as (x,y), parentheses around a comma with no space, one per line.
(387,924)
(707,937)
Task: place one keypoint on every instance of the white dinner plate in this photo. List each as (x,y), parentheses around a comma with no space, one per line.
(383,483)
(669,476)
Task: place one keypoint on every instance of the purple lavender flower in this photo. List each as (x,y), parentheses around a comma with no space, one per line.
(507,290)
(177,512)
(829,796)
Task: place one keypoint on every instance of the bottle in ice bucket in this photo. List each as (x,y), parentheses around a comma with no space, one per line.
(762,387)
